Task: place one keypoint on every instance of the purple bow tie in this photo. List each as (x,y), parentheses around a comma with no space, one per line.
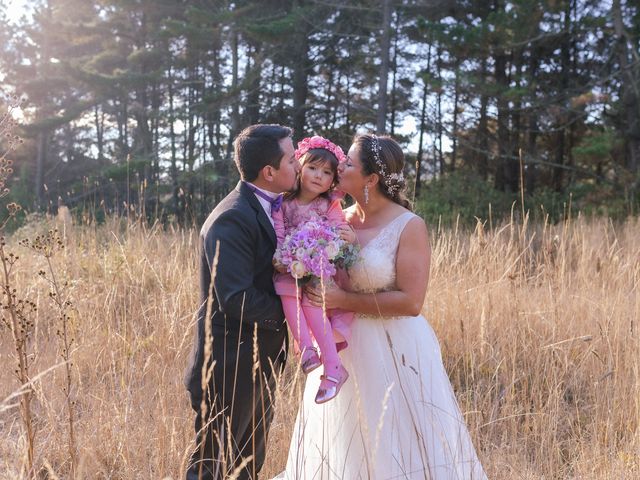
(276,203)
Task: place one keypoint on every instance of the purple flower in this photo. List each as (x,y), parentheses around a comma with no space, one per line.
(314,250)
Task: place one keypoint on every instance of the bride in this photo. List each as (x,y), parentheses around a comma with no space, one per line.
(396,416)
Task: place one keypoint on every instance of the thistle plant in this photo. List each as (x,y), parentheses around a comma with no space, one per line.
(17,312)
(17,316)
(47,246)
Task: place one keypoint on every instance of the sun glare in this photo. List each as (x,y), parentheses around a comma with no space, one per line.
(17,114)
(16,9)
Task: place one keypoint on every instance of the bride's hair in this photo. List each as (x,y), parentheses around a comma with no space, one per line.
(383,156)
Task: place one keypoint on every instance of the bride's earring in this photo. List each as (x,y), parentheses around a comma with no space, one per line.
(366,194)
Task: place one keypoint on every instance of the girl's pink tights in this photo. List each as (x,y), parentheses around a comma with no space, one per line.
(309,318)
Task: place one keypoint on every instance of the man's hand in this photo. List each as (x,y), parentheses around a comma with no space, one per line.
(347,233)
(278,266)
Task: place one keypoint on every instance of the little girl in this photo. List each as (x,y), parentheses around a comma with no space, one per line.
(313,198)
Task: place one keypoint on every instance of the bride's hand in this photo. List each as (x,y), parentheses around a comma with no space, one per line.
(332,295)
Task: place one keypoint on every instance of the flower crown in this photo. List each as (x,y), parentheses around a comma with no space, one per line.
(317,141)
(392,181)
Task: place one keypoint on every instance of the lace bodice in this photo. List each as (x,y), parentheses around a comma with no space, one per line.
(375,270)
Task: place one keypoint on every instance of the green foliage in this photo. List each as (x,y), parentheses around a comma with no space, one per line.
(602,200)
(597,144)
(146,59)
(175,81)
(273,30)
(128,169)
(104,62)
(464,197)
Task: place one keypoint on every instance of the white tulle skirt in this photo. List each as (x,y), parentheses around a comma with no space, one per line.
(395,418)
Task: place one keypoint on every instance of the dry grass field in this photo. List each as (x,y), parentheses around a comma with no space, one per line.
(538,326)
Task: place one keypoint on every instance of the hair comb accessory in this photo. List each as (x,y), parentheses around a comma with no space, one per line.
(392,181)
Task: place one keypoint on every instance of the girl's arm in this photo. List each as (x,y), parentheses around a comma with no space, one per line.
(412,277)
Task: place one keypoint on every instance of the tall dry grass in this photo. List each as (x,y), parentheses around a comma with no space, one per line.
(538,326)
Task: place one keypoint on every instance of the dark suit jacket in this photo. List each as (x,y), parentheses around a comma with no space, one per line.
(239,233)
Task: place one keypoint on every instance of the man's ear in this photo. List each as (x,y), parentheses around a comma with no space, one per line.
(267,173)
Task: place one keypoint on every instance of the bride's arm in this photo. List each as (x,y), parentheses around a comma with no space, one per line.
(412,276)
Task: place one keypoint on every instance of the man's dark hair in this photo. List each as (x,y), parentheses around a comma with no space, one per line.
(256,147)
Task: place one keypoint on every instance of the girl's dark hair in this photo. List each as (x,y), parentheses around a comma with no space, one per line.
(392,156)
(316,155)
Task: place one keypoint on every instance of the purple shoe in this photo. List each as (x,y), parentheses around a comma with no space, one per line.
(309,360)
(330,385)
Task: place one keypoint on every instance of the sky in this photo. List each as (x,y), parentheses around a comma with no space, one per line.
(15,8)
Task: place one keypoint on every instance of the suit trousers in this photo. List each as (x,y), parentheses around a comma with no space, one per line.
(232,433)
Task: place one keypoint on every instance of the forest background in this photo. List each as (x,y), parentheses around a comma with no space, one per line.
(124,111)
(129,104)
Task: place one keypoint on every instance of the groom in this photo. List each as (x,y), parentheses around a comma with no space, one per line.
(228,380)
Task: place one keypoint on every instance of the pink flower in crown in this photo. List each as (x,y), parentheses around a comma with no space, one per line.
(317,141)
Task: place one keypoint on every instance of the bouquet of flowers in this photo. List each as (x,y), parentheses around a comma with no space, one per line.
(314,250)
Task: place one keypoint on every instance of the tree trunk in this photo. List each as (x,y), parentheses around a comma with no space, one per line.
(215,113)
(394,75)
(482,144)
(438,154)
(330,111)
(41,158)
(252,111)
(503,117)
(385,45)
(123,128)
(144,140)
(454,129)
(564,117)
(155,134)
(423,118)
(630,94)
(301,69)
(423,114)
(532,145)
(347,125)
(282,94)
(99,119)
(68,138)
(173,172)
(513,164)
(235,108)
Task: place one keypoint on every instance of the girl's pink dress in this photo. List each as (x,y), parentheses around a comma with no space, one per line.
(291,214)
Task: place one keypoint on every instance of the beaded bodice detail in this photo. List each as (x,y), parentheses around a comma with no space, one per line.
(375,270)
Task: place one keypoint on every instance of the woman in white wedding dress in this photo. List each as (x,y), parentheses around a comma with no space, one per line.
(396,416)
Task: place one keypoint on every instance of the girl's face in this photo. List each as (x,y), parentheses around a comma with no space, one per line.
(316,177)
(351,178)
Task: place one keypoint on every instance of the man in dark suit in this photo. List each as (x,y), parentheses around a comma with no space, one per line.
(228,379)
